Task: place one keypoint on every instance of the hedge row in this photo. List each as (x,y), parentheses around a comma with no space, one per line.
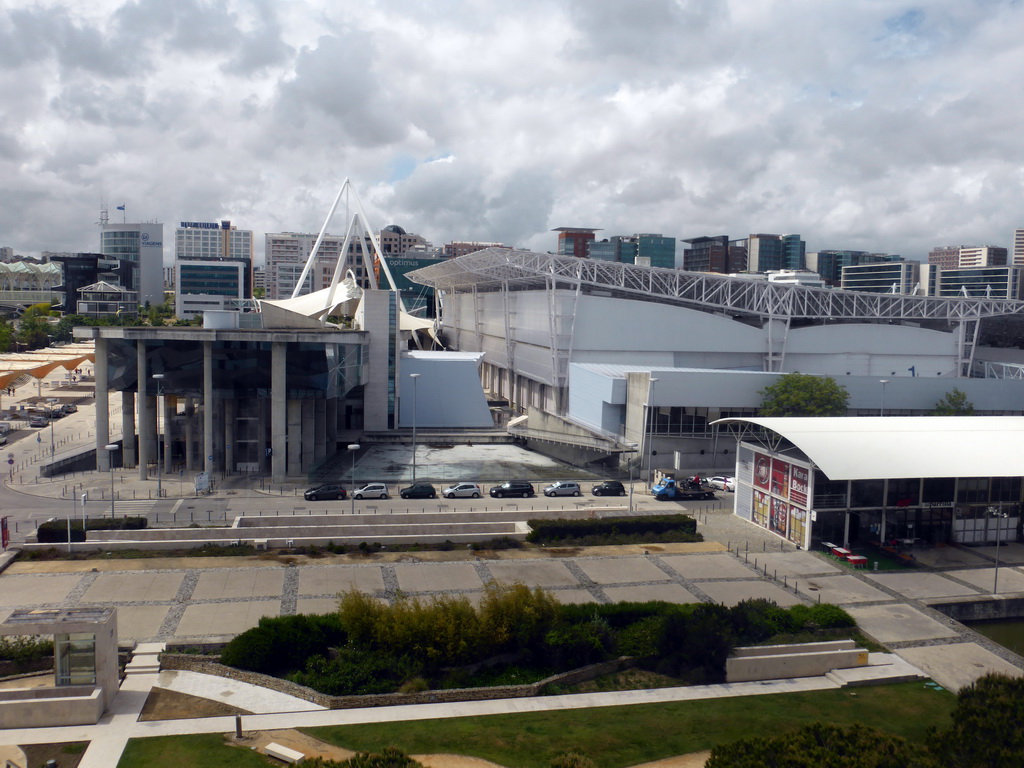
(557,530)
(56,531)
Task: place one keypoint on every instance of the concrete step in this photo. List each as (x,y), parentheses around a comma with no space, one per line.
(882,668)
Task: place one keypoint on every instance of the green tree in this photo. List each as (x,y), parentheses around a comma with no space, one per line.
(954,403)
(986,731)
(799,394)
(822,746)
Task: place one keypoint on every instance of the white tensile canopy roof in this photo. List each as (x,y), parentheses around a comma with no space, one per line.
(866,448)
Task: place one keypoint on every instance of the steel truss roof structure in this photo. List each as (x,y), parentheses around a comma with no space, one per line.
(496,269)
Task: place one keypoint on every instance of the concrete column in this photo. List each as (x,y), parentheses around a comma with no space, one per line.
(128,428)
(294,438)
(229,435)
(278,411)
(147,422)
(190,434)
(170,411)
(320,428)
(308,433)
(208,406)
(332,425)
(102,407)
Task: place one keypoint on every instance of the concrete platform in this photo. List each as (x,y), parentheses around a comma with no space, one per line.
(898,623)
(734,592)
(533,573)
(251,698)
(432,577)
(794,565)
(239,584)
(697,567)
(37,590)
(947,557)
(333,579)
(1010,579)
(621,570)
(670,593)
(140,587)
(842,590)
(225,619)
(956,665)
(921,584)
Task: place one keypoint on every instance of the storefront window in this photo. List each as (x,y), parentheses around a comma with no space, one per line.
(938,489)
(829,494)
(972,490)
(903,492)
(866,493)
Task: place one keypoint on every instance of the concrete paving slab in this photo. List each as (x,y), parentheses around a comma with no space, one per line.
(669,593)
(133,587)
(1010,552)
(533,573)
(139,622)
(796,565)
(918,584)
(241,583)
(34,591)
(573,596)
(707,566)
(435,577)
(733,592)
(621,570)
(896,623)
(251,698)
(220,619)
(947,557)
(319,605)
(1010,579)
(956,665)
(842,590)
(332,579)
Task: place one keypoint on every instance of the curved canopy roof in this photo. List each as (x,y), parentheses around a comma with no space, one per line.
(866,448)
(18,368)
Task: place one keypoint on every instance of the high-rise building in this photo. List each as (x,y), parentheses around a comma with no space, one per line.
(650,250)
(903,277)
(1018,246)
(945,256)
(766,253)
(212,240)
(708,254)
(135,254)
(991,282)
(212,266)
(575,241)
(287,253)
(982,256)
(830,263)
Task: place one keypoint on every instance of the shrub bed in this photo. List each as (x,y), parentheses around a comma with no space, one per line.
(514,636)
(561,531)
(56,531)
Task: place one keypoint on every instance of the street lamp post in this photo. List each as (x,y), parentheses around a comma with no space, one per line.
(415,377)
(353,447)
(649,426)
(110,458)
(881,410)
(159,463)
(998,515)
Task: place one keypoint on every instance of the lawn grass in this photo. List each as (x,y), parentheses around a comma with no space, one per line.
(611,736)
(625,736)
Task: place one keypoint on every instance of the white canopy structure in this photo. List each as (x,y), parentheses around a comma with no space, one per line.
(867,448)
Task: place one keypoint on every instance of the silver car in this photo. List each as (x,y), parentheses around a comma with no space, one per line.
(563,488)
(371,491)
(462,491)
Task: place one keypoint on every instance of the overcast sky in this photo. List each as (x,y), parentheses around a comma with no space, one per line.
(867,124)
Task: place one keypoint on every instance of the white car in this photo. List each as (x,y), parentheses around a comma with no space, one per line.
(722,483)
(371,491)
(462,491)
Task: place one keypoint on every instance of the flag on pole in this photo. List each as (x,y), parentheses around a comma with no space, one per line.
(120,207)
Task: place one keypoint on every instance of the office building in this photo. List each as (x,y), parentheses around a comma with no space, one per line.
(966,256)
(829,263)
(135,254)
(1018,246)
(649,250)
(77,270)
(902,277)
(766,253)
(212,240)
(709,254)
(455,249)
(575,241)
(996,282)
(214,283)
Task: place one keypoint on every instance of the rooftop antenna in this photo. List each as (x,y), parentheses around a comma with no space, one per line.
(104,215)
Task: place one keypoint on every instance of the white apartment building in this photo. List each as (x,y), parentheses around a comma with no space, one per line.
(982,256)
(212,240)
(1018,246)
(136,255)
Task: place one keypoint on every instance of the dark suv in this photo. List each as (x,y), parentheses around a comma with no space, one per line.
(419,491)
(328,491)
(512,488)
(609,488)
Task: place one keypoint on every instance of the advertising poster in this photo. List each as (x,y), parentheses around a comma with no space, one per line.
(797,525)
(762,471)
(778,517)
(798,485)
(761,504)
(780,478)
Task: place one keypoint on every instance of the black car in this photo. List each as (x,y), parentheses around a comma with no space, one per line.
(328,491)
(512,488)
(609,488)
(419,491)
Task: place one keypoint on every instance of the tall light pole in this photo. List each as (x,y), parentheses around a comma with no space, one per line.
(353,447)
(881,410)
(415,377)
(110,460)
(999,515)
(159,459)
(649,427)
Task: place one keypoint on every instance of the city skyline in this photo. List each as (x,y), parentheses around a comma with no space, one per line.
(876,127)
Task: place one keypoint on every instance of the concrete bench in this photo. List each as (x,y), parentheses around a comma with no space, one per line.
(281,752)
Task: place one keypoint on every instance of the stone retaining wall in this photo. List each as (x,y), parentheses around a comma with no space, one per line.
(209,665)
(979,609)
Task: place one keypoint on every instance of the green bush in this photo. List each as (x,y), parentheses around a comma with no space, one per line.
(357,672)
(56,531)
(576,645)
(554,531)
(828,616)
(280,644)
(514,617)
(618,615)
(754,621)
(640,639)
(390,757)
(572,760)
(24,649)
(695,642)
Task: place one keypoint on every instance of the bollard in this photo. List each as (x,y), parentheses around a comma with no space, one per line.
(764,546)
(238,726)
